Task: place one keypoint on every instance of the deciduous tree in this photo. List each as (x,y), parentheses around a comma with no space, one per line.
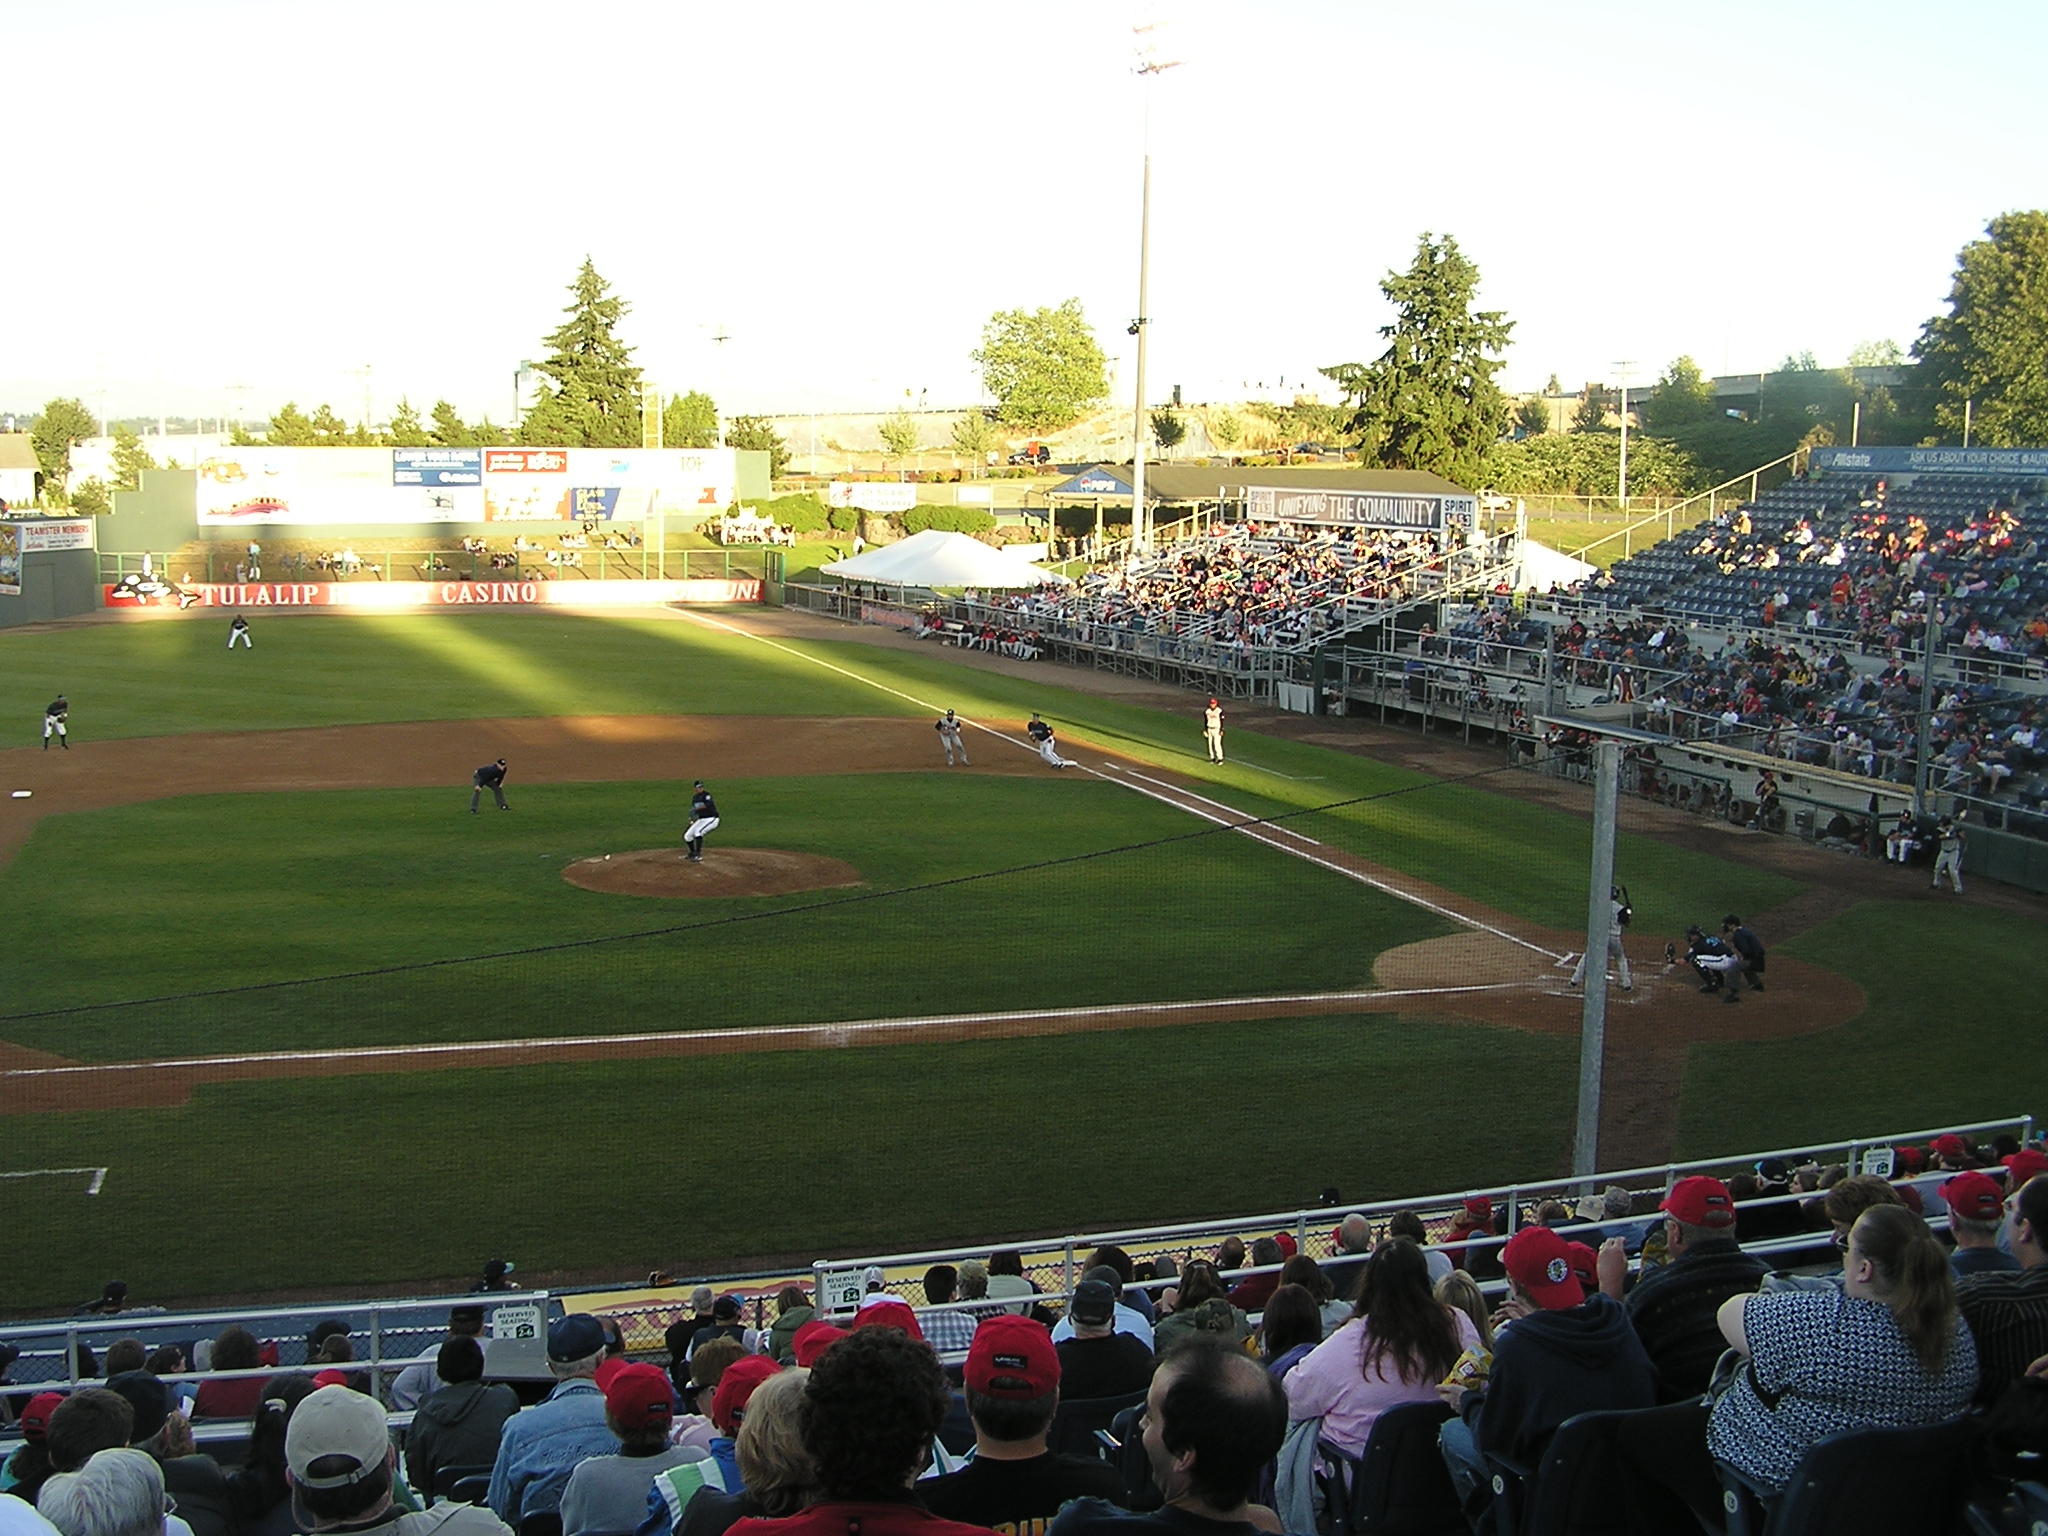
(1225,429)
(1988,349)
(1683,395)
(899,434)
(62,426)
(690,421)
(594,401)
(758,433)
(1429,401)
(1043,367)
(1877,354)
(974,435)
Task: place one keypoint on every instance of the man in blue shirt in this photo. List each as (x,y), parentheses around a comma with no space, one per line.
(539,1448)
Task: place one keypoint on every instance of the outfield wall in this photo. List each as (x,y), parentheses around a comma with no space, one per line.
(387,596)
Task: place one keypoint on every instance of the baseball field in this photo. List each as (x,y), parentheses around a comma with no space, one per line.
(303,1021)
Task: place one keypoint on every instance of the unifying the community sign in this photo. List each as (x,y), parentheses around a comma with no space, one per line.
(1356,509)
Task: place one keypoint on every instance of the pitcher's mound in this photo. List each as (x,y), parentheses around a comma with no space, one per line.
(723,872)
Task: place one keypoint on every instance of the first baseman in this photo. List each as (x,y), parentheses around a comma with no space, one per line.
(492,777)
(949,738)
(53,723)
(703,819)
(1041,733)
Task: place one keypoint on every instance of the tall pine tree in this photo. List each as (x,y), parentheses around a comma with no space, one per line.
(594,401)
(1430,401)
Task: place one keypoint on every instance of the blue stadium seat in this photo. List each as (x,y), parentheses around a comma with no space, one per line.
(1398,1486)
(1864,1481)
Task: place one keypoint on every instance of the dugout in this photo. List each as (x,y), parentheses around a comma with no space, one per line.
(48,569)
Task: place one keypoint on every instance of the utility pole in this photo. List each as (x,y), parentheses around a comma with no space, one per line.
(1149,67)
(1968,404)
(1599,923)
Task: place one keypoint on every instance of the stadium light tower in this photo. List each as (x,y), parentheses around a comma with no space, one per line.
(1148,68)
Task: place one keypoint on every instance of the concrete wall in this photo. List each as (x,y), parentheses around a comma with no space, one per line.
(55,584)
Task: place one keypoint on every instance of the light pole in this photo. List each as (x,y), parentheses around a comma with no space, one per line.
(1149,67)
(1621,370)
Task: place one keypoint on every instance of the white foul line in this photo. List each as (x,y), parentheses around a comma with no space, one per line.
(99,1175)
(1254,832)
(832,1033)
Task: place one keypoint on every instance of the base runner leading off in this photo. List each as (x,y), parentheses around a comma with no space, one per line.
(1041,733)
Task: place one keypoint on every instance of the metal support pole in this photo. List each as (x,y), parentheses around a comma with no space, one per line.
(1925,724)
(1599,923)
(1140,540)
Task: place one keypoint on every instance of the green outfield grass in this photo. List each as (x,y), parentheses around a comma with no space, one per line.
(618,1168)
(1951,1035)
(225,891)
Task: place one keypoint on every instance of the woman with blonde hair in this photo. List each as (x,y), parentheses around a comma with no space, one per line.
(1460,1292)
(776,1475)
(1888,1350)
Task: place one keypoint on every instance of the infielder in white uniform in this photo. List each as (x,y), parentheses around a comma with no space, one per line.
(1615,922)
(1042,734)
(949,738)
(1212,728)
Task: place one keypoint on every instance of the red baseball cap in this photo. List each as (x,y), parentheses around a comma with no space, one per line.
(35,1418)
(639,1396)
(330,1378)
(1287,1244)
(729,1402)
(889,1314)
(1540,1262)
(1010,1350)
(1701,1201)
(607,1368)
(1950,1145)
(2025,1164)
(1479,1208)
(1974,1196)
(813,1339)
(1909,1159)
(1585,1266)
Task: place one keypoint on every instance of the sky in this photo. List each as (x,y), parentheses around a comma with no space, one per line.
(239,204)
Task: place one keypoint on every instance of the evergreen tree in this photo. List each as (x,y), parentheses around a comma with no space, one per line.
(1987,350)
(407,430)
(594,401)
(446,427)
(1168,430)
(758,433)
(131,458)
(1591,416)
(690,421)
(289,428)
(1533,418)
(328,429)
(1429,401)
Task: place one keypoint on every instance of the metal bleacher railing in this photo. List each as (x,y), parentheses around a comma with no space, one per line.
(394,1333)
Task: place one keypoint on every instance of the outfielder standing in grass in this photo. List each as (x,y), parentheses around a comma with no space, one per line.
(54,721)
(239,630)
(492,777)
(703,819)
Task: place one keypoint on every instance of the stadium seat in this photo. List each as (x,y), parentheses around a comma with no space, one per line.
(1123,1447)
(549,1524)
(462,1485)
(2021,1512)
(1398,1486)
(1076,1421)
(1865,1480)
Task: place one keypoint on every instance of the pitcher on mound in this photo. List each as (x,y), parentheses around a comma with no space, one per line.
(703,819)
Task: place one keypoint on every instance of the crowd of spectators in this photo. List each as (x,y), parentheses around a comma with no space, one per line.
(944,1417)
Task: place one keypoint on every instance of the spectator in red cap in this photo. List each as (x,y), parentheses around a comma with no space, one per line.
(870,1410)
(812,1340)
(29,1467)
(1952,1152)
(2025,1164)
(1015,1483)
(1400,1342)
(2008,1313)
(1482,1261)
(1673,1308)
(1564,1353)
(774,1466)
(609,1493)
(1976,1210)
(888,1312)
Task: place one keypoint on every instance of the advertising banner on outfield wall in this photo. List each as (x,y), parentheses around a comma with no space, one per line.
(55,533)
(10,561)
(1946,461)
(385,596)
(877,496)
(313,487)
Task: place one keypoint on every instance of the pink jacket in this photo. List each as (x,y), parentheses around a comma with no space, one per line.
(1331,1383)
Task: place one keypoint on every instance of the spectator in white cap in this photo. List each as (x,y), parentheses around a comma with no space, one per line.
(539,1448)
(339,1457)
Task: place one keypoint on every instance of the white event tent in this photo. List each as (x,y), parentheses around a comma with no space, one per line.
(937,558)
(1542,568)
